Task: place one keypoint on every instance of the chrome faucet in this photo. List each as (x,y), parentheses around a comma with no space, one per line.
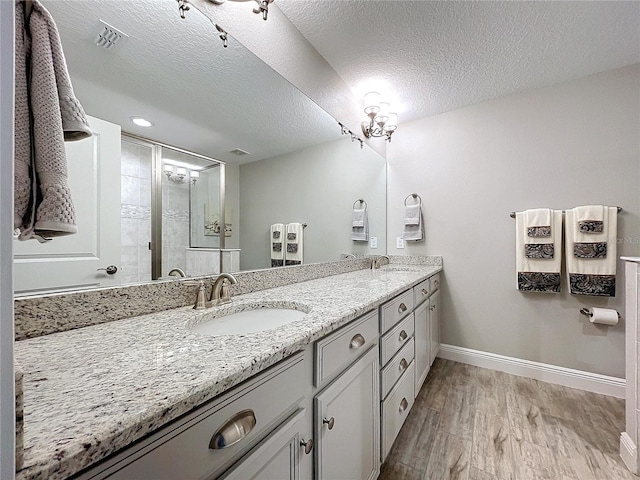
(176,272)
(220,290)
(375,261)
(349,255)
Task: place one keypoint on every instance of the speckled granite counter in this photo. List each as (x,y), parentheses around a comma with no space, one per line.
(92,391)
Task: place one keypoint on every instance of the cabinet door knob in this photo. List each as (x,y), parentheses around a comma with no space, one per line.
(432,308)
(437,283)
(308,445)
(234,430)
(403,405)
(403,336)
(329,422)
(402,308)
(425,291)
(357,341)
(403,365)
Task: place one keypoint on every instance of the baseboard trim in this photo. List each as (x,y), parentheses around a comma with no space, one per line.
(568,377)
(629,453)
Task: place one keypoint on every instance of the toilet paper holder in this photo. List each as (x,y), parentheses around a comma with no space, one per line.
(585,311)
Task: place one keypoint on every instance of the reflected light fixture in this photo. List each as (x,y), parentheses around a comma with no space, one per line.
(382,122)
(178,174)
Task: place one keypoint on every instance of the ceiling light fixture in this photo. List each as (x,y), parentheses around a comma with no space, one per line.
(141,122)
(382,122)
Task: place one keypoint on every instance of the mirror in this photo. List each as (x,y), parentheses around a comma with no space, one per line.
(205,101)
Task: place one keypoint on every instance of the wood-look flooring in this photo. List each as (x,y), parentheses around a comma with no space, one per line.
(471,423)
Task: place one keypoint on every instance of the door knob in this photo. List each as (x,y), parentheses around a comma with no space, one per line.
(329,422)
(308,445)
(111,269)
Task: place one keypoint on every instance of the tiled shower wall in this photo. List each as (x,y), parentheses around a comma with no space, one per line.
(175,222)
(135,213)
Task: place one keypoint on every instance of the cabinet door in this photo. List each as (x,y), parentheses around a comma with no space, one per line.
(347,423)
(275,458)
(422,344)
(434,320)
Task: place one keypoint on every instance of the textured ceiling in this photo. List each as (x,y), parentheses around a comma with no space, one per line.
(433,57)
(176,73)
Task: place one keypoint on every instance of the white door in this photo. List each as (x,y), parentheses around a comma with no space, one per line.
(73,261)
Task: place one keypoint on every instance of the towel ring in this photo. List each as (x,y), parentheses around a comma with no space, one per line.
(360,201)
(414,195)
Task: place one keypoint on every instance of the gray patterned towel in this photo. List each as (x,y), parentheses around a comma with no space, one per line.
(46,114)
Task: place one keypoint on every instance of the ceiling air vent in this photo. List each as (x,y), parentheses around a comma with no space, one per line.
(109,36)
(239,152)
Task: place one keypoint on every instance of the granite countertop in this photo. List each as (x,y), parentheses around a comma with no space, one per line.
(92,391)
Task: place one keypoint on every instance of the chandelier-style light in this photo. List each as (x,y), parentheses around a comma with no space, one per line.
(382,122)
(178,174)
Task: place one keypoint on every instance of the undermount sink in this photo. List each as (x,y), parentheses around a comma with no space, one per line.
(247,318)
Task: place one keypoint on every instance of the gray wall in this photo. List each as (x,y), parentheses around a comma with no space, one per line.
(317,186)
(570,144)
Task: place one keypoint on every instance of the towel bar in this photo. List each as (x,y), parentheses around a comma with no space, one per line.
(513,214)
(414,195)
(585,311)
(361,201)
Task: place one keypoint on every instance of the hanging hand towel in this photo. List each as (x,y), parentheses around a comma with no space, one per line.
(538,258)
(46,114)
(276,241)
(294,249)
(360,225)
(591,237)
(413,226)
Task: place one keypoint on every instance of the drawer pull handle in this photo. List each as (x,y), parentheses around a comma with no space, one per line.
(403,336)
(402,308)
(308,445)
(329,422)
(425,291)
(403,365)
(403,405)
(234,430)
(437,283)
(357,341)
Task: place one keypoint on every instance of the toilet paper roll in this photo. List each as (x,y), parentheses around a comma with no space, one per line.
(604,316)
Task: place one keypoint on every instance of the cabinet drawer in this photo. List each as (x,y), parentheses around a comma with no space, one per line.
(395,339)
(435,282)
(396,367)
(421,292)
(184,450)
(394,310)
(338,350)
(395,409)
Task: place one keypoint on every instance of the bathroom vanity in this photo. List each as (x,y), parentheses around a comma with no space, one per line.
(324,397)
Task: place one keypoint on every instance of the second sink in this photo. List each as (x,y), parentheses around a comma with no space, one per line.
(247,318)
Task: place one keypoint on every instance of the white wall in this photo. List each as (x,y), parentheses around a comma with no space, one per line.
(318,186)
(570,144)
(7,395)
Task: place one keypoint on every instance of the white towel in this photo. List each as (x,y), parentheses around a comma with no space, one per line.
(413,226)
(538,225)
(538,274)
(44,93)
(295,244)
(591,255)
(277,244)
(360,225)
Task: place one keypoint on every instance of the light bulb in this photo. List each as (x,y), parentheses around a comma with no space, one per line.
(371,103)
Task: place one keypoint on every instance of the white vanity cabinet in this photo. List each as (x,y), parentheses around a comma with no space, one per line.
(347,402)
(427,327)
(205,443)
(397,324)
(347,419)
